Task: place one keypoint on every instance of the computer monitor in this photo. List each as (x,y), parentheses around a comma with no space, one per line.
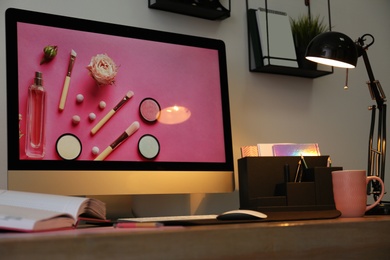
(145,111)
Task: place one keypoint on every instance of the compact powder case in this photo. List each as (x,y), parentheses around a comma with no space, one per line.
(68,147)
(149,109)
(148,146)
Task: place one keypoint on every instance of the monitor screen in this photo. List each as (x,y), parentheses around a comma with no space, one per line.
(99,108)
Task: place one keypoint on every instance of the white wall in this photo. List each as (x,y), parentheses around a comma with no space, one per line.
(264,107)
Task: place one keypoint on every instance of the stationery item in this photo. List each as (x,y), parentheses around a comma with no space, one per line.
(249,151)
(128,132)
(286,173)
(112,112)
(350,192)
(329,163)
(263,187)
(300,169)
(36,114)
(298,172)
(65,88)
(308,149)
(138,225)
(28,212)
(288,149)
(277,43)
(304,162)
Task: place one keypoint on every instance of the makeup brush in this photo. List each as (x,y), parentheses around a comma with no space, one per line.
(128,132)
(65,88)
(112,112)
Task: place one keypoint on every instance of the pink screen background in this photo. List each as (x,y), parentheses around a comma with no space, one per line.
(171,74)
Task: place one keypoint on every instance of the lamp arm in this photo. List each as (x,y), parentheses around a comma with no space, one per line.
(377,157)
(376,90)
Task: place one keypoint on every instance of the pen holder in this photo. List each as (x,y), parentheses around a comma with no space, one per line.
(264,186)
(297,193)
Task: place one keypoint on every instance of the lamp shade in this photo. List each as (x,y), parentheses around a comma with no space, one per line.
(333,49)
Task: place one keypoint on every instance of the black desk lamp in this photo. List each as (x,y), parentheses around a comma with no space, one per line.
(338,50)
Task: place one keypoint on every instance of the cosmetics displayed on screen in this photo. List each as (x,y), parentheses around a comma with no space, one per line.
(168,86)
(36,112)
(149,109)
(148,146)
(107,117)
(65,88)
(162,98)
(68,147)
(126,134)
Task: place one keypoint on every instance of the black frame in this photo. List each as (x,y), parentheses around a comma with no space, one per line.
(14,163)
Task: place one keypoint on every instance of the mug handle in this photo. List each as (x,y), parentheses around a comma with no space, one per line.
(371,178)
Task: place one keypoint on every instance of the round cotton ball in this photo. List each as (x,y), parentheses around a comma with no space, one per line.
(92,116)
(75,119)
(102,104)
(95,150)
(79,98)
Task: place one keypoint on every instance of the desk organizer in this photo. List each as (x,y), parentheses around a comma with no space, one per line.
(264,186)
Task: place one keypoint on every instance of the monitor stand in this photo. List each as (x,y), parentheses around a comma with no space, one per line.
(145,205)
(130,206)
(118,206)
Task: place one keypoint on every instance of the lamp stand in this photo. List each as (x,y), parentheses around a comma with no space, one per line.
(377,151)
(377,156)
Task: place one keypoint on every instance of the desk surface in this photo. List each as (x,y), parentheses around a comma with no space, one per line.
(363,238)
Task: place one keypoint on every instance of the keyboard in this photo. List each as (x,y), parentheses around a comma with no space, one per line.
(169,218)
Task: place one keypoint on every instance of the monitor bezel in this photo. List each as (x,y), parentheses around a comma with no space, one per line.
(14,163)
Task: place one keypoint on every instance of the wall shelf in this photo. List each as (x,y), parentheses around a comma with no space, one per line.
(305,73)
(256,59)
(206,9)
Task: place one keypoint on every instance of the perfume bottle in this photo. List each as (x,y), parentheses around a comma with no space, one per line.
(35,120)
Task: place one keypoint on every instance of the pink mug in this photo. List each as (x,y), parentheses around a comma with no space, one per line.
(350,192)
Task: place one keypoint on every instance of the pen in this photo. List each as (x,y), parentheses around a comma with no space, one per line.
(286,173)
(304,162)
(329,164)
(138,225)
(298,171)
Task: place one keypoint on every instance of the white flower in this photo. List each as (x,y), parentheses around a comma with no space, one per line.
(103,69)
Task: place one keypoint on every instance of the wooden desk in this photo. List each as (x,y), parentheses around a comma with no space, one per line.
(360,238)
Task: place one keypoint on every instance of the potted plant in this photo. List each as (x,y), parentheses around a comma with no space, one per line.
(304,29)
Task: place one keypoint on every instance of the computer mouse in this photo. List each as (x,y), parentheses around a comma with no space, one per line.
(241,214)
